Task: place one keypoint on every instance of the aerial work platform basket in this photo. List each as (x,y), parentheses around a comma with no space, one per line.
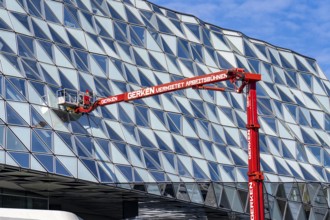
(68,99)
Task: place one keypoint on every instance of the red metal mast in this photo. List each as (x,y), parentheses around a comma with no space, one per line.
(255,175)
(256,196)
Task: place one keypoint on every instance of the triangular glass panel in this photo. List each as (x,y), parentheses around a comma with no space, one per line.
(139,61)
(46,136)
(104,144)
(135,40)
(84,86)
(194,29)
(223,63)
(23,19)
(20,85)
(100,8)
(13,117)
(262,49)
(104,177)
(140,32)
(76,126)
(285,63)
(25,46)
(154,155)
(91,165)
(237,160)
(132,18)
(22,159)
(101,30)
(4,25)
(69,19)
(114,13)
(166,47)
(66,51)
(13,143)
(49,14)
(81,60)
(4,46)
(37,145)
(167,190)
(150,162)
(88,144)
(183,49)
(254,64)
(81,150)
(65,82)
(107,114)
(38,31)
(182,192)
(30,69)
(280,168)
(224,203)
(174,122)
(155,64)
(300,65)
(196,50)
(308,79)
(60,169)
(230,139)
(286,152)
(113,134)
(290,82)
(122,148)
(47,162)
(315,123)
(162,145)
(48,78)
(163,27)
(67,138)
(230,170)
(199,173)
(56,37)
(74,42)
(194,193)
(206,37)
(101,86)
(307,174)
(217,137)
(12,93)
(308,138)
(14,61)
(127,172)
(137,177)
(182,170)
(119,34)
(248,50)
(266,167)
(214,172)
(145,140)
(170,158)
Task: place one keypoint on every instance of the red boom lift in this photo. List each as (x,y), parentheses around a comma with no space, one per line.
(255,184)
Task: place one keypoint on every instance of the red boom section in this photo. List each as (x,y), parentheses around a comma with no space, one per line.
(194,82)
(248,79)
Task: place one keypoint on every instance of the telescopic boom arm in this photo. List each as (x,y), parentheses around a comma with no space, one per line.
(197,82)
(248,80)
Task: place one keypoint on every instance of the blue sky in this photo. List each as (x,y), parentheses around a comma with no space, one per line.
(300,25)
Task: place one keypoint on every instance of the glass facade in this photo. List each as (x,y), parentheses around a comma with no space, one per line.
(182,145)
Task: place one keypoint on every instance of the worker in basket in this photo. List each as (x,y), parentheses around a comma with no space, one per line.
(87,99)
